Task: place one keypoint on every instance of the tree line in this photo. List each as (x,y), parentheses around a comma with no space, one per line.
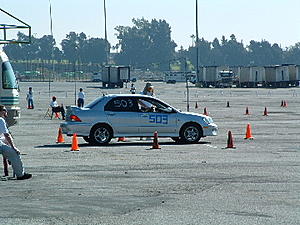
(148,45)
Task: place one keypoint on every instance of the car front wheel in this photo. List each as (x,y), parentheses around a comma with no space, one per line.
(190,133)
(100,135)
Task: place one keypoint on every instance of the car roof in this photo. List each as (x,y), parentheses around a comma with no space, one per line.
(128,95)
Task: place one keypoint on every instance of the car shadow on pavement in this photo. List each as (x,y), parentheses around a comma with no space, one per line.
(118,144)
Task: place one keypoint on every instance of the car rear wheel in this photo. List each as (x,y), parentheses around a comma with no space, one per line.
(86,138)
(100,135)
(176,139)
(190,133)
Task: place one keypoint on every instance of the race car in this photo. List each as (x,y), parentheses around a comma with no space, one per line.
(135,115)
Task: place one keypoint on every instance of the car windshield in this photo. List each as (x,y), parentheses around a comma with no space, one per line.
(93,103)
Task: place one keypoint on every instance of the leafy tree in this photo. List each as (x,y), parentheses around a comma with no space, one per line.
(146,44)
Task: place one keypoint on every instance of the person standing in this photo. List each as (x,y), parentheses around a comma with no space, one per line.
(148,90)
(29,98)
(132,89)
(81,96)
(8,148)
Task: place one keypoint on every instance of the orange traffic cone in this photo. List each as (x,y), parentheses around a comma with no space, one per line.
(284,104)
(228,105)
(247,111)
(75,146)
(56,115)
(205,112)
(121,139)
(230,140)
(60,137)
(265,112)
(249,132)
(196,106)
(155,141)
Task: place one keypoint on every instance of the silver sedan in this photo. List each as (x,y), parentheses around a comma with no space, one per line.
(134,115)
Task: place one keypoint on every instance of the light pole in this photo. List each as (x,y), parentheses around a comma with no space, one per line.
(187,87)
(197,43)
(105,32)
(52,52)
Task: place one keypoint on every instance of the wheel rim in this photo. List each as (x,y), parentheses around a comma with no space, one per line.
(191,133)
(101,135)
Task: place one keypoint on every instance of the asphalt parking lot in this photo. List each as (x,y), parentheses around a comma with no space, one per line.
(128,183)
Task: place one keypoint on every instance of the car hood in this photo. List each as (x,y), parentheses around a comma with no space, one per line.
(194,114)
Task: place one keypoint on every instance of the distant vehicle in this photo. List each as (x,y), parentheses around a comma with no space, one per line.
(171,82)
(96,77)
(225,79)
(180,76)
(115,76)
(9,93)
(127,115)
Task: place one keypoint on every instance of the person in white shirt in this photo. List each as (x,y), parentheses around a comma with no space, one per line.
(8,148)
(132,89)
(29,98)
(56,108)
(148,90)
(80,100)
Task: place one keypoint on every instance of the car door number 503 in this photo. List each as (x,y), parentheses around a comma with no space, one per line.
(161,119)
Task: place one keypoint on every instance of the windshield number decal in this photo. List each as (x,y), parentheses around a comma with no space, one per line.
(160,119)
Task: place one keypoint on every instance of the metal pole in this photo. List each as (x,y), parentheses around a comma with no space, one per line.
(52,53)
(187,87)
(197,43)
(105,32)
(75,84)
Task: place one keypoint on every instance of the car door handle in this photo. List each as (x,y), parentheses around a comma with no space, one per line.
(111,114)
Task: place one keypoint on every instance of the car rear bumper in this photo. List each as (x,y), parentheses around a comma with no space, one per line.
(70,128)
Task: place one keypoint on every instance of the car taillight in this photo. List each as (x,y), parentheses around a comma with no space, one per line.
(75,118)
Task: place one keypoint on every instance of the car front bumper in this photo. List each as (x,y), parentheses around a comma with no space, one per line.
(210,130)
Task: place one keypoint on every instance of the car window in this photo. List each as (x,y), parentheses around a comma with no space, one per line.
(152,105)
(93,103)
(120,104)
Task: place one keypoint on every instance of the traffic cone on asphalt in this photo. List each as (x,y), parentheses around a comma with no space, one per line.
(75,146)
(155,141)
(247,111)
(248,132)
(196,106)
(230,140)
(284,103)
(121,139)
(265,112)
(60,137)
(227,105)
(205,112)
(5,166)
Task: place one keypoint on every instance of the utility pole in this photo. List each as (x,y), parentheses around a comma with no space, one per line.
(187,87)
(197,43)
(52,52)
(105,33)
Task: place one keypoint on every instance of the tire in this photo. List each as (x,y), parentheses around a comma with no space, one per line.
(87,139)
(191,133)
(176,139)
(100,135)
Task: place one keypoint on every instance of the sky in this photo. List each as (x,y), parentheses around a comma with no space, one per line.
(276,21)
